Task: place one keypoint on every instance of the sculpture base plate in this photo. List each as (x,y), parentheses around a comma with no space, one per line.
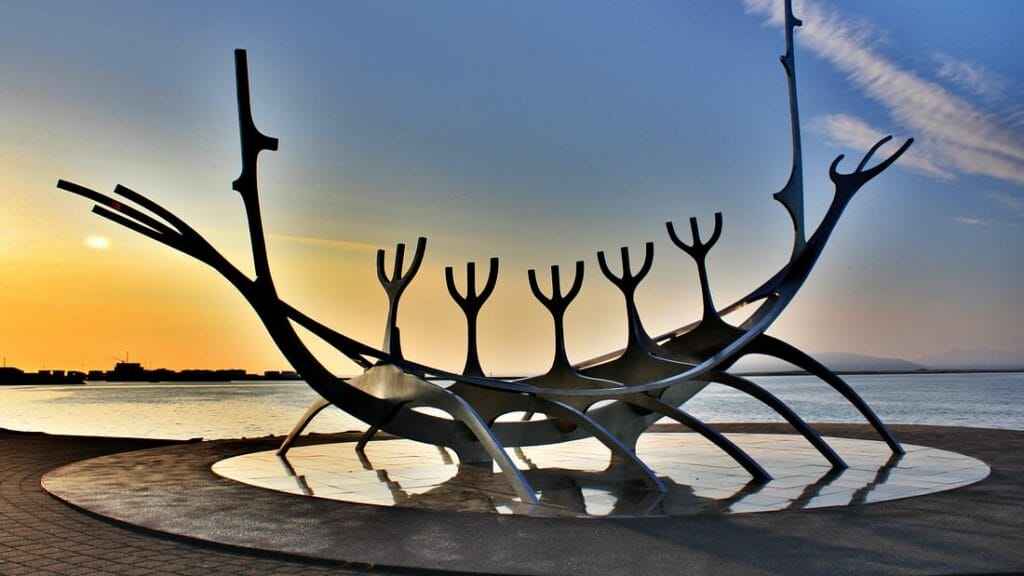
(578,479)
(173,491)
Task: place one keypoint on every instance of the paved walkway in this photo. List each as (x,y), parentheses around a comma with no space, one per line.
(40,536)
(972,530)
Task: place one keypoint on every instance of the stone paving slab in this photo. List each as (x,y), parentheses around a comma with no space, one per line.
(976,529)
(41,536)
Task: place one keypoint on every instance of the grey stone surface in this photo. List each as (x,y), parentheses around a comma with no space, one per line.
(976,529)
(41,536)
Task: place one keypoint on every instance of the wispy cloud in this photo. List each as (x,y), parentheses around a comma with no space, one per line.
(1015,117)
(346,245)
(1012,203)
(972,221)
(954,135)
(971,77)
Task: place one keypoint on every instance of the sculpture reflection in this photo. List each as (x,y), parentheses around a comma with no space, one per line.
(581,479)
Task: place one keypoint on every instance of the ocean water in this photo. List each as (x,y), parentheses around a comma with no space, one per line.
(252,409)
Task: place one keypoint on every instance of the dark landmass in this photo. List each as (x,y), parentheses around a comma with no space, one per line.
(134,372)
(11,375)
(843,364)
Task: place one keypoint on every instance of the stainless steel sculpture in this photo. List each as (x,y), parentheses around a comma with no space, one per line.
(650,378)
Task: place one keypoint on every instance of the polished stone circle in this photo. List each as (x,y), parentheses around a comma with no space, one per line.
(172,491)
(575,478)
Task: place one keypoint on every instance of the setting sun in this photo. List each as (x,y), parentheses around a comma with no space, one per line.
(97,242)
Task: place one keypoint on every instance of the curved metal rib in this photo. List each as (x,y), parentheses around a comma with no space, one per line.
(315,408)
(365,438)
(561,410)
(812,436)
(463,412)
(406,391)
(789,353)
(714,436)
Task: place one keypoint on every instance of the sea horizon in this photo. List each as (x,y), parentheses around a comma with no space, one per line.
(217,410)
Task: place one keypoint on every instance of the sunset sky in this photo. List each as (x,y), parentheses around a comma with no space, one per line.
(538,132)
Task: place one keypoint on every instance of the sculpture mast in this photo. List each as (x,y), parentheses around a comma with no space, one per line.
(792,194)
(253,142)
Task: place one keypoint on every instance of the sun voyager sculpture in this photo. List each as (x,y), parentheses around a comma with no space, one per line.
(614,398)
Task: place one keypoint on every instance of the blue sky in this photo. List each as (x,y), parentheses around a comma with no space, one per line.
(539,132)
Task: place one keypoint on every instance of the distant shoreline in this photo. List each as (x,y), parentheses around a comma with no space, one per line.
(134,372)
(233,376)
(889,372)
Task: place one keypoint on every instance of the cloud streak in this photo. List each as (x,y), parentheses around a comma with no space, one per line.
(969,221)
(1011,203)
(971,77)
(345,245)
(954,136)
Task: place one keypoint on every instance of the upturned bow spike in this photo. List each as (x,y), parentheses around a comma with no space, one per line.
(848,184)
(394,287)
(471,304)
(557,303)
(699,252)
(627,284)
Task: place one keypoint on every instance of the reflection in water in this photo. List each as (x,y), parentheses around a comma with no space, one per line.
(580,479)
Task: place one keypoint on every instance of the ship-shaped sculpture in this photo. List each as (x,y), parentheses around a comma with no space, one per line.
(614,398)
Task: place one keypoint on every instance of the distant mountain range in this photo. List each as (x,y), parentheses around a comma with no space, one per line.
(983,358)
(847,362)
(835,361)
